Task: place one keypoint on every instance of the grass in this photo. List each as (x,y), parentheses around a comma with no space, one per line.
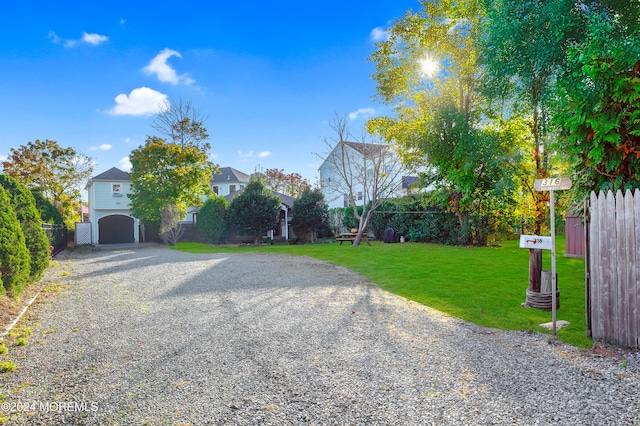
(483,285)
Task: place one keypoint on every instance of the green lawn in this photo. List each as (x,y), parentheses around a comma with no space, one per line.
(483,285)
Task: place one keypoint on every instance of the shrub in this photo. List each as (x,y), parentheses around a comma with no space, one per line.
(310,214)
(48,212)
(255,211)
(14,256)
(24,205)
(211,220)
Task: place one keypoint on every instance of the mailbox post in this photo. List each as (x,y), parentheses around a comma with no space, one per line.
(551,185)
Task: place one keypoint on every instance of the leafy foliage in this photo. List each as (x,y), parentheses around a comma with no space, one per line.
(28,216)
(14,256)
(600,106)
(292,184)
(440,125)
(212,219)
(58,173)
(165,174)
(310,213)
(254,211)
(48,212)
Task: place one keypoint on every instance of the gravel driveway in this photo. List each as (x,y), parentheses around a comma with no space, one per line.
(149,335)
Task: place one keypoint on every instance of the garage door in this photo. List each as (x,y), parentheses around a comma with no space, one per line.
(115,229)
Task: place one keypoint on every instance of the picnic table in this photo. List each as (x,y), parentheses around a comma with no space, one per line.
(351,237)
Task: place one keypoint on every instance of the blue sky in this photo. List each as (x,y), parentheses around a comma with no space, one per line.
(268,75)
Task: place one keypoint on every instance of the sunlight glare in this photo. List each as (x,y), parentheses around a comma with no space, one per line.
(428,66)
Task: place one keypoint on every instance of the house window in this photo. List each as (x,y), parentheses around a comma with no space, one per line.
(232,188)
(346,201)
(215,189)
(241,186)
(360,196)
(387,169)
(116,189)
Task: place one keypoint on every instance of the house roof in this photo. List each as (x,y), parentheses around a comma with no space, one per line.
(365,149)
(113,173)
(229,174)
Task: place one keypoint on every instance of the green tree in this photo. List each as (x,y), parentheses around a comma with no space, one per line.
(292,184)
(211,220)
(58,173)
(24,205)
(310,213)
(523,49)
(429,70)
(165,173)
(600,103)
(14,256)
(48,212)
(255,211)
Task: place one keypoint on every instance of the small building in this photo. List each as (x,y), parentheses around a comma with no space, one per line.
(110,208)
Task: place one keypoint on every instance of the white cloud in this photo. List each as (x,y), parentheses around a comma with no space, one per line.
(92,39)
(264,154)
(379,34)
(362,112)
(163,71)
(3,157)
(245,154)
(125,164)
(103,147)
(213,156)
(141,101)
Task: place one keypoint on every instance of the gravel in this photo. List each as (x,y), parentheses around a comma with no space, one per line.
(148,335)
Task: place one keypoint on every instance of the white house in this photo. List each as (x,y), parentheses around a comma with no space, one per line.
(356,163)
(110,209)
(228,180)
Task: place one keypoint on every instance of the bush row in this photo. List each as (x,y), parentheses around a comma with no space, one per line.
(418,219)
(24,248)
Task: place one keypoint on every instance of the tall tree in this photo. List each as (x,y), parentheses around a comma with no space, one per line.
(366,173)
(428,70)
(255,210)
(292,184)
(523,49)
(181,123)
(175,170)
(164,174)
(58,173)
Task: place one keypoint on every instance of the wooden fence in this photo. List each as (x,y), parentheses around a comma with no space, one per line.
(613,268)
